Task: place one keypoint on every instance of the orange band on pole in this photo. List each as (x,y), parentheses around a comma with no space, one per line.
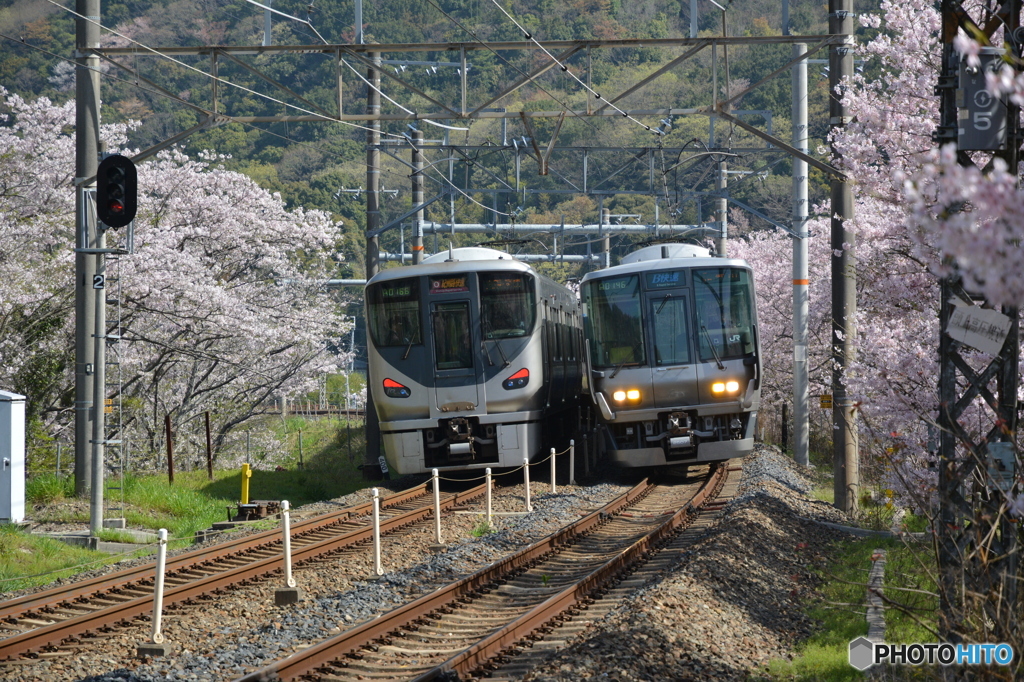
(801,281)
(417,248)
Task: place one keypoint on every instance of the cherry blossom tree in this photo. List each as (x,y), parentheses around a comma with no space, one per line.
(207,323)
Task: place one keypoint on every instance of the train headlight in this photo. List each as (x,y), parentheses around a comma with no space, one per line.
(632,394)
(393,389)
(720,387)
(517,380)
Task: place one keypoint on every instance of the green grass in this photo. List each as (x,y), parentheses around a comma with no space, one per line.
(824,492)
(481,529)
(32,560)
(49,488)
(192,503)
(840,604)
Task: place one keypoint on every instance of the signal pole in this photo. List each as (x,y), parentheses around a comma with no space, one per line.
(87,130)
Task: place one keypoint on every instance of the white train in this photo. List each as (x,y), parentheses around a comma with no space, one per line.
(673,357)
(472,354)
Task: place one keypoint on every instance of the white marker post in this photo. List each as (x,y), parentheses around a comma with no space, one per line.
(157,646)
(438,542)
(290,593)
(487,477)
(572,462)
(378,569)
(526,478)
(553,491)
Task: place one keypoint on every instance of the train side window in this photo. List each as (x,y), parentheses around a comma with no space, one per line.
(393,309)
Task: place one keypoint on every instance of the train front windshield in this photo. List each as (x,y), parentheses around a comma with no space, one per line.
(394,312)
(613,320)
(724,313)
(507,308)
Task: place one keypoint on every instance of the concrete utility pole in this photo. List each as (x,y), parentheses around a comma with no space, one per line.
(417,196)
(372,241)
(845,456)
(87,132)
(800,281)
(722,210)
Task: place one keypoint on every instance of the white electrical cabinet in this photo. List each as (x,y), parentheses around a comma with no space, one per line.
(12,457)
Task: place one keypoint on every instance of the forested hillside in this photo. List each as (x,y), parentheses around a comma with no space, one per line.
(308,163)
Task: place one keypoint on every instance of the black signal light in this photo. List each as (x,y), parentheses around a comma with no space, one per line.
(116,191)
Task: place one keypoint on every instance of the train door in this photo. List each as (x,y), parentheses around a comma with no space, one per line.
(455,374)
(674,369)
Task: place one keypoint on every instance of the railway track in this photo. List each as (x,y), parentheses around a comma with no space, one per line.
(477,623)
(52,622)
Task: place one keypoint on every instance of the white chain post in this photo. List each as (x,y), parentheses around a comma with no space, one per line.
(286,526)
(572,462)
(437,507)
(487,476)
(378,569)
(158,586)
(526,479)
(553,491)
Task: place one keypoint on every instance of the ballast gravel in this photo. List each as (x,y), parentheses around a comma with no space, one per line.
(730,604)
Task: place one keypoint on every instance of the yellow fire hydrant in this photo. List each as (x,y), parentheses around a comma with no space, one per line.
(246,475)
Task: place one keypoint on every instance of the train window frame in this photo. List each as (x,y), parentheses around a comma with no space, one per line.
(440,310)
(601,332)
(395,324)
(678,303)
(526,301)
(730,312)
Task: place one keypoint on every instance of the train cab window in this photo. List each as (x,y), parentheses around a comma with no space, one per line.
(724,313)
(452,344)
(507,306)
(671,326)
(393,309)
(613,321)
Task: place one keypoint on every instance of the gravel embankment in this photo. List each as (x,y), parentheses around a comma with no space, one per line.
(730,605)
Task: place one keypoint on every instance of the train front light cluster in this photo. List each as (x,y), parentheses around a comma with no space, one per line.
(517,380)
(632,395)
(393,389)
(727,387)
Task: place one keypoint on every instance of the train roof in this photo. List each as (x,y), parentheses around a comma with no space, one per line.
(466,259)
(665,257)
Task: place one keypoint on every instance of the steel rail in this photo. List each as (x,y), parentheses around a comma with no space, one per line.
(55,634)
(22,606)
(475,657)
(307,661)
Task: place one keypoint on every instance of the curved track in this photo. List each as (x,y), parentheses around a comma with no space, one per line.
(36,623)
(475,622)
